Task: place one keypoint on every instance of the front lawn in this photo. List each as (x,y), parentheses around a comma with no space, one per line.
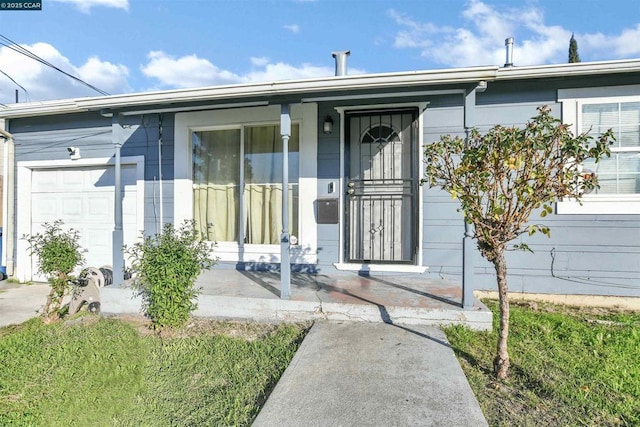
(569,366)
(108,372)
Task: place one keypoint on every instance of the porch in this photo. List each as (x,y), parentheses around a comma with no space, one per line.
(254,294)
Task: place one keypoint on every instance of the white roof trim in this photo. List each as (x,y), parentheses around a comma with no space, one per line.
(580,68)
(250,90)
(167,99)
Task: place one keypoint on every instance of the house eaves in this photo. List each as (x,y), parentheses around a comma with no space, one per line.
(263,90)
(180,99)
(569,69)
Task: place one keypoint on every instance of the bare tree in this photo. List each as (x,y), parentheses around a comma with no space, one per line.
(503,177)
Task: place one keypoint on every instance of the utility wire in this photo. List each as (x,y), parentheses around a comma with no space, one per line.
(17,84)
(7,42)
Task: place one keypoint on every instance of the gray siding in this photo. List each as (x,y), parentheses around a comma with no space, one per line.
(586,254)
(46,138)
(328,171)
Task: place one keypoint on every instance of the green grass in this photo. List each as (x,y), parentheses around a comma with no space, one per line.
(108,372)
(569,366)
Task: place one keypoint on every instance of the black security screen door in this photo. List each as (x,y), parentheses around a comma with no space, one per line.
(382,186)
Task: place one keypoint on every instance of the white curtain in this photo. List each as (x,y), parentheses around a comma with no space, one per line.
(216,205)
(264,212)
(263,183)
(216,181)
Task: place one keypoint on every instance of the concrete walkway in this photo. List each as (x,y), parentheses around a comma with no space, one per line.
(19,303)
(372,374)
(344,374)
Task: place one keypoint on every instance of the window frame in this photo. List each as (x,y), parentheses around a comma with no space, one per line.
(242,183)
(572,101)
(306,116)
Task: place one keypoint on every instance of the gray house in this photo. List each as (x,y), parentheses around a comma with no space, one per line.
(348,151)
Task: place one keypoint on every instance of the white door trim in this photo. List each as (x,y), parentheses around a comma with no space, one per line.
(23,270)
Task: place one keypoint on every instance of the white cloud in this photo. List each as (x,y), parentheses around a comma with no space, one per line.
(294,28)
(186,71)
(259,61)
(43,83)
(480,41)
(105,75)
(193,71)
(86,5)
(283,71)
(626,44)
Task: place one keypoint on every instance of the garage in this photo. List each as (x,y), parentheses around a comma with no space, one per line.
(83,197)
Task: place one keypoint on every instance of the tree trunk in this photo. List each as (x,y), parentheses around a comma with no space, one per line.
(49,314)
(51,309)
(501,361)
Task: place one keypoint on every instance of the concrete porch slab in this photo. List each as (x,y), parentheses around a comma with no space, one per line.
(255,295)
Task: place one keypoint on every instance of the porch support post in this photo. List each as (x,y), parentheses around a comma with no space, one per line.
(285,260)
(118,239)
(467,242)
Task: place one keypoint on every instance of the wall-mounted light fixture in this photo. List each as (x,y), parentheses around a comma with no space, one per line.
(74,153)
(327,127)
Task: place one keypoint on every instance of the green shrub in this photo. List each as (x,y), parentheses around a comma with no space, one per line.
(59,253)
(165,268)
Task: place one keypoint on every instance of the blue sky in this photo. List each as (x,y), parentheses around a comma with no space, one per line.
(125,46)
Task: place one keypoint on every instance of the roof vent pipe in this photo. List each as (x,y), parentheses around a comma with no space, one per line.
(509,45)
(341,61)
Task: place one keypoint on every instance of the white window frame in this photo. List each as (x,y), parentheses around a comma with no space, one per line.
(572,101)
(242,128)
(306,115)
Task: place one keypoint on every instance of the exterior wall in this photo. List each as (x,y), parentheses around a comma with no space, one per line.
(329,172)
(586,254)
(443,226)
(47,138)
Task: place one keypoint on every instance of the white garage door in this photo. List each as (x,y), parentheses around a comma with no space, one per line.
(83,198)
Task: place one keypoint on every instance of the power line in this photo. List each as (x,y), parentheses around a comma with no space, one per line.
(7,42)
(17,84)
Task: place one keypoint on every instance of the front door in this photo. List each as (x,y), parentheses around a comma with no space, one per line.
(382,182)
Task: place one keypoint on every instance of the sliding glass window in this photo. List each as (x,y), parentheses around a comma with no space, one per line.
(248,159)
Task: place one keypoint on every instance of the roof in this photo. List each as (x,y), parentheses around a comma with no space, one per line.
(289,88)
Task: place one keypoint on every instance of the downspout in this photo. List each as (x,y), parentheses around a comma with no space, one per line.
(160,170)
(468,262)
(8,215)
(285,260)
(118,238)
